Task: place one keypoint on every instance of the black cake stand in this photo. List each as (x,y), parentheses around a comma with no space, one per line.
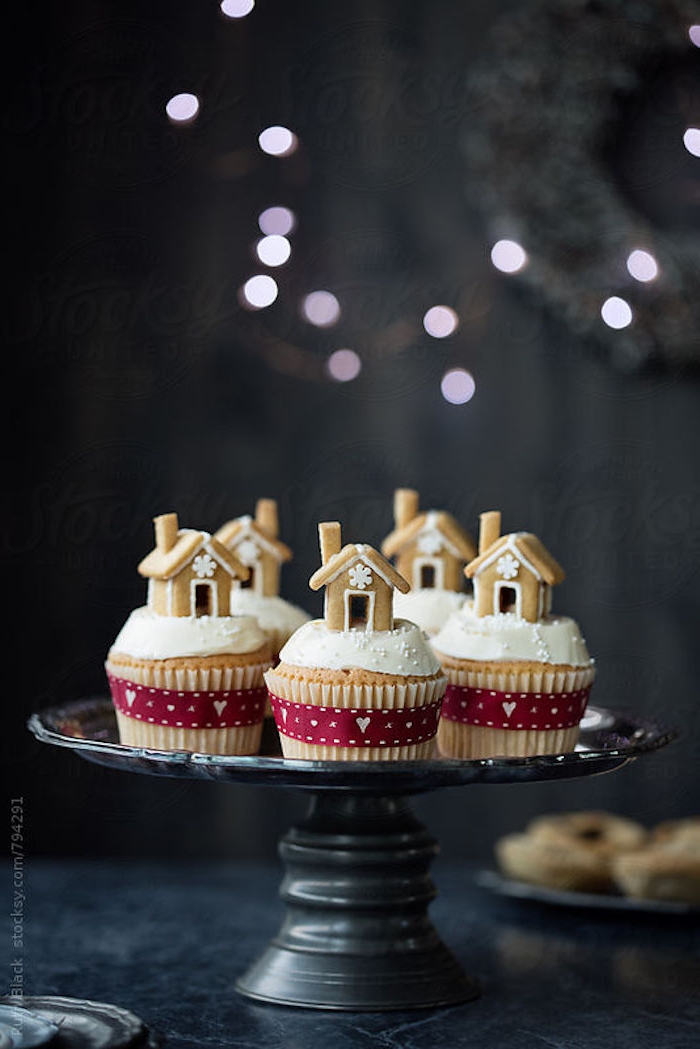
(357,935)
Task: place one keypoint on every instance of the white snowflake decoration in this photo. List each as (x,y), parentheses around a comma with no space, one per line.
(430,542)
(360,576)
(508,566)
(204,566)
(247,552)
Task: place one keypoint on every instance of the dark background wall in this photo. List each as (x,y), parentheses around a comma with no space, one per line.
(137,384)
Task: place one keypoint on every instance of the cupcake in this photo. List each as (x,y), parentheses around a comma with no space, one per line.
(357,685)
(519,677)
(255,543)
(184,673)
(430,550)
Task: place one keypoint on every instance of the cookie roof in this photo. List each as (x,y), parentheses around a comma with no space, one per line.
(458,540)
(164,564)
(532,550)
(240,527)
(346,557)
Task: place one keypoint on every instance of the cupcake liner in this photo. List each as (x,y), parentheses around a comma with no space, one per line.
(384,697)
(376,697)
(183,678)
(292,748)
(245,740)
(513,679)
(472,742)
(268,706)
(215,740)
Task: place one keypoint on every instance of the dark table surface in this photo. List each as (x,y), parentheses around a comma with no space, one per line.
(167,941)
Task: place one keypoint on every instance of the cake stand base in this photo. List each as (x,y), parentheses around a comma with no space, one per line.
(357,934)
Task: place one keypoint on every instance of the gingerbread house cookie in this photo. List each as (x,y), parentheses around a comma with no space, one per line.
(255,542)
(430,549)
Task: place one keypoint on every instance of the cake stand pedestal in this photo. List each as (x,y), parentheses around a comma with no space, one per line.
(357,934)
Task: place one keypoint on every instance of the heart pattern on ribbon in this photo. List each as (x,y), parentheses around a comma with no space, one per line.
(346,727)
(514,710)
(183,709)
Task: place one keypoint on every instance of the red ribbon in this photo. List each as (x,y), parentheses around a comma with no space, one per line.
(356,727)
(514,710)
(230,708)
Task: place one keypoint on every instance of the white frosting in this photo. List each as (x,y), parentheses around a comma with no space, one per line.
(274,614)
(147,635)
(403,650)
(429,608)
(554,639)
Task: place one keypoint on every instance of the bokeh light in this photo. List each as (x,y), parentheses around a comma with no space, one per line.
(458,386)
(616,312)
(691,140)
(259,291)
(321,308)
(694,34)
(508,256)
(440,321)
(273,250)
(277,220)
(642,265)
(237,8)
(344,365)
(277,141)
(182,108)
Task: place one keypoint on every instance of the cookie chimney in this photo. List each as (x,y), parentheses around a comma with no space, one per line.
(266,517)
(405,506)
(166,531)
(489,529)
(329,538)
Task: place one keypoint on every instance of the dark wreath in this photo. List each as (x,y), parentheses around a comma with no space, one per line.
(572,90)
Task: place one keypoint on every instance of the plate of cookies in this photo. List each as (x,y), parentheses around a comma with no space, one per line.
(601,860)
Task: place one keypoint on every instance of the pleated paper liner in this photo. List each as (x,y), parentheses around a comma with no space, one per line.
(244,740)
(221,674)
(216,673)
(293,686)
(472,742)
